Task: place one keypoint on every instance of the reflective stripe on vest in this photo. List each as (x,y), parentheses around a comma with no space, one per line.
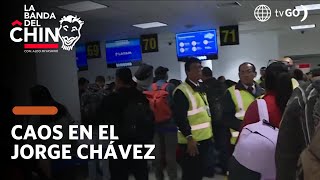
(295,83)
(199,120)
(240,114)
(200,126)
(242,100)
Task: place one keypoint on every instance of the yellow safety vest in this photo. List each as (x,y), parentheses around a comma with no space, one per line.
(242,100)
(295,83)
(198,116)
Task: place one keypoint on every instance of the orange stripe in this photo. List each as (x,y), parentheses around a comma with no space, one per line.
(35,110)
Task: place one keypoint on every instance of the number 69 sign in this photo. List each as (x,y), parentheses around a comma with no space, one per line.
(93,50)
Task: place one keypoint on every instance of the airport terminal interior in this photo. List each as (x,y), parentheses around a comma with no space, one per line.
(222,35)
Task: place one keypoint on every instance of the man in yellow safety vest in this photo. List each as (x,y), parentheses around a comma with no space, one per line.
(238,98)
(192,115)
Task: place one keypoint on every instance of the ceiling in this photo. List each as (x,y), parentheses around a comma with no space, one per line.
(116,21)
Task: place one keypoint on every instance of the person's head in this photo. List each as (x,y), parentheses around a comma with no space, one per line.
(206,73)
(290,65)
(247,73)
(309,76)
(100,81)
(298,75)
(222,79)
(143,77)
(111,86)
(278,80)
(315,73)
(263,72)
(175,82)
(40,96)
(193,69)
(83,83)
(123,78)
(287,60)
(161,73)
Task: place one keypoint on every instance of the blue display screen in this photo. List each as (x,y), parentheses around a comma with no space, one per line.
(123,52)
(81,57)
(201,44)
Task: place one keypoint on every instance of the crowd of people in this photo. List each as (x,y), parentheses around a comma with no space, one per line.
(256,128)
(203,119)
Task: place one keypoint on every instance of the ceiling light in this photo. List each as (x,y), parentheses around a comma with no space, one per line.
(308,7)
(82,6)
(303,27)
(150,25)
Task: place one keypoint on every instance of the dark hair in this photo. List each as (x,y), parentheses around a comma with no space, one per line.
(246,63)
(230,83)
(41,96)
(175,82)
(100,79)
(190,61)
(263,68)
(315,72)
(298,74)
(82,81)
(220,77)
(125,75)
(278,80)
(207,72)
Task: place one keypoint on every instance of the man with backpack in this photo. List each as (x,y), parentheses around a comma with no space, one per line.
(129,111)
(215,90)
(159,95)
(297,151)
(91,99)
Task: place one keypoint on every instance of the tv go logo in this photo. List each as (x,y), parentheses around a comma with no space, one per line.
(263,13)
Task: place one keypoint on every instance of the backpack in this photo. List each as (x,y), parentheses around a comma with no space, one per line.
(257,144)
(158,99)
(215,91)
(308,167)
(90,102)
(137,124)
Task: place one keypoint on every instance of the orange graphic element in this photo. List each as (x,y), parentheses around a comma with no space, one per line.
(35,110)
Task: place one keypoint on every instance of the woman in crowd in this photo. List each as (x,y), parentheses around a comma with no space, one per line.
(278,91)
(41,96)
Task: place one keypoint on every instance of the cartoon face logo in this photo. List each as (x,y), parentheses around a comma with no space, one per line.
(69,31)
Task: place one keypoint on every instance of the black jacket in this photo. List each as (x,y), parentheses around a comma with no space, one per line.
(112,107)
(229,110)
(296,129)
(215,91)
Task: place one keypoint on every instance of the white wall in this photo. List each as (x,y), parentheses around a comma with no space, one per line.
(295,43)
(165,57)
(58,72)
(256,48)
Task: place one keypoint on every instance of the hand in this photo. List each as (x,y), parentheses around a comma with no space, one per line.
(192,149)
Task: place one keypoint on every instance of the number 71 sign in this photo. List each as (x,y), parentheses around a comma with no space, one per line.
(229,35)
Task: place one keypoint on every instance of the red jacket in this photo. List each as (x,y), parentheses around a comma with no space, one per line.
(252,114)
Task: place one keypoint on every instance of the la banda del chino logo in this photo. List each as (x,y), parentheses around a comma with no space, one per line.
(38,38)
